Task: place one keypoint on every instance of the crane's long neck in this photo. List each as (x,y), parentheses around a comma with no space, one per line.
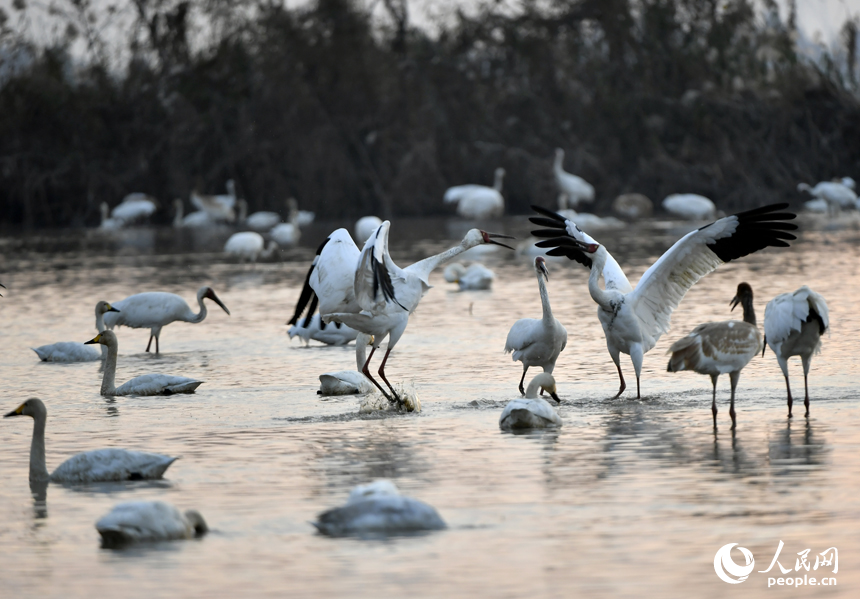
(38,469)
(749,310)
(424,267)
(602,297)
(195,318)
(109,378)
(544,300)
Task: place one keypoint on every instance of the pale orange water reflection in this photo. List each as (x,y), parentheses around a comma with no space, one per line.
(630,498)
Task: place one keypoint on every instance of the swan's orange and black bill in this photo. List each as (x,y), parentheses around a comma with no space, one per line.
(19,411)
(96,339)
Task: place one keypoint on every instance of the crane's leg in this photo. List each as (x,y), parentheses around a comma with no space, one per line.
(156,344)
(382,374)
(150,342)
(784,365)
(614,354)
(366,372)
(714,378)
(525,370)
(806,360)
(734,376)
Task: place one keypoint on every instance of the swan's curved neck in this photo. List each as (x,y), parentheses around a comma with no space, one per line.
(497,183)
(544,300)
(38,469)
(178,216)
(100,327)
(105,212)
(109,378)
(557,165)
(598,261)
(532,389)
(270,249)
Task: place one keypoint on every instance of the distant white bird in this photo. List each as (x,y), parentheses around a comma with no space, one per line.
(71,351)
(716,348)
(816,206)
(633,320)
(537,341)
(218,208)
(848,182)
(837,195)
(333,333)
(145,384)
(632,206)
(137,521)
(248,245)
(108,223)
(155,309)
(577,189)
(135,207)
(258,221)
(365,226)
(533,411)
(378,507)
(199,219)
(585,220)
(478,201)
(474,277)
(368,292)
(288,234)
(349,382)
(690,206)
(99,465)
(793,325)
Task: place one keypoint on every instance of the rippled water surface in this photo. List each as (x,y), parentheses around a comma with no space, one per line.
(630,498)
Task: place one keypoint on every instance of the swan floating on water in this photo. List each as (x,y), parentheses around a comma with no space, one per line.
(137,521)
(145,384)
(73,351)
(474,277)
(478,201)
(378,507)
(690,206)
(349,382)
(248,245)
(99,465)
(533,411)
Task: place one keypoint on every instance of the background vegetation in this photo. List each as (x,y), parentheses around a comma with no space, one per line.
(354,114)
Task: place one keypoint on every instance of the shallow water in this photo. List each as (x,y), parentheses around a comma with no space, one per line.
(629,498)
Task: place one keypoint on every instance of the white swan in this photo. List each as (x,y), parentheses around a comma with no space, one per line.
(533,411)
(577,189)
(478,201)
(248,245)
(134,207)
(365,226)
(475,277)
(258,221)
(217,207)
(99,465)
(145,384)
(73,351)
(137,521)
(837,195)
(632,206)
(537,341)
(154,309)
(349,382)
(288,234)
(378,507)
(690,206)
(196,220)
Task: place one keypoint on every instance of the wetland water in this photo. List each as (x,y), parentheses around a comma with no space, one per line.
(629,499)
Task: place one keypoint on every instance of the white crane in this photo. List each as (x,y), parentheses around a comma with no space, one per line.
(837,195)
(71,351)
(716,348)
(632,206)
(248,245)
(793,325)
(478,201)
(365,290)
(145,384)
(633,320)
(137,521)
(378,507)
(690,206)
(155,309)
(218,207)
(288,234)
(474,277)
(365,226)
(537,341)
(577,189)
(98,465)
(533,411)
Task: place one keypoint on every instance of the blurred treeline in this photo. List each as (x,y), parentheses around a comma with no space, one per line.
(356,112)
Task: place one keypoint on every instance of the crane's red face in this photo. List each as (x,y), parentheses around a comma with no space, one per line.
(489,237)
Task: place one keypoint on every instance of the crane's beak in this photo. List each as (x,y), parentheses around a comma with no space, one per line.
(735,301)
(489,237)
(19,411)
(95,339)
(3,286)
(211,295)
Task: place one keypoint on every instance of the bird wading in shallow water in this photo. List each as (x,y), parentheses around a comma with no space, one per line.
(793,325)
(366,291)
(633,320)
(716,348)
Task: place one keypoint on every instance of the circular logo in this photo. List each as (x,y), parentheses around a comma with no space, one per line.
(725,567)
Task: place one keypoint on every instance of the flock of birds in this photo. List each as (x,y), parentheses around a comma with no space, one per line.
(362,295)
